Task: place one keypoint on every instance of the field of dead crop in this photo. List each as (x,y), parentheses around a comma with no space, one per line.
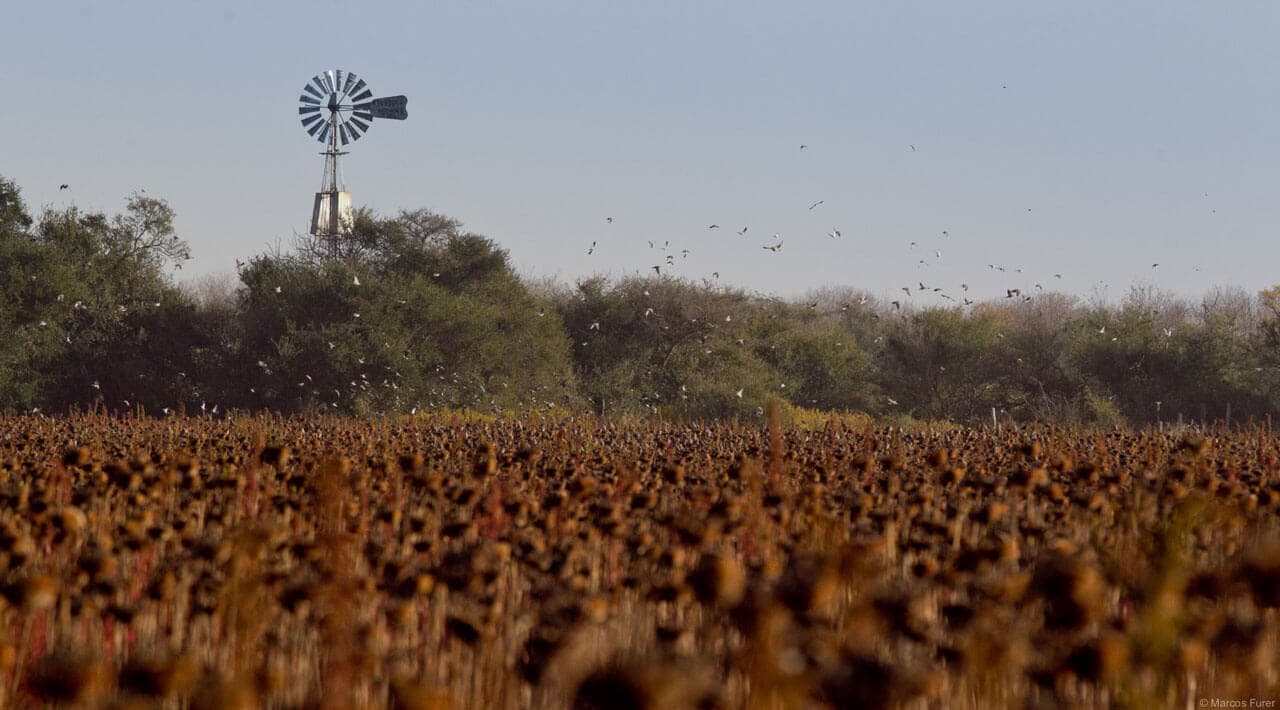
(507,563)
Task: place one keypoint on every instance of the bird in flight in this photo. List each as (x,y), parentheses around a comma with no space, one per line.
(835,233)
(608,220)
(591,249)
(714,226)
(657,269)
(742,232)
(775,248)
(803,146)
(63,186)
(816,204)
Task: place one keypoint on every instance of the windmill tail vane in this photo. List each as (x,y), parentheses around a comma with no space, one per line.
(337,108)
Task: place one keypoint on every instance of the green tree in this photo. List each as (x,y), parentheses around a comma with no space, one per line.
(936,364)
(93,313)
(405,313)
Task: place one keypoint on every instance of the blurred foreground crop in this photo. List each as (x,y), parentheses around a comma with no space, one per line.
(524,562)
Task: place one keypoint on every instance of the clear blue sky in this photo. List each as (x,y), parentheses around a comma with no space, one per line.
(1090,139)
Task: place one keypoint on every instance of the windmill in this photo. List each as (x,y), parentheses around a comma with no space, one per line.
(337,106)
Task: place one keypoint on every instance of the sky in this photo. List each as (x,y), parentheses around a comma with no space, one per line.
(945,141)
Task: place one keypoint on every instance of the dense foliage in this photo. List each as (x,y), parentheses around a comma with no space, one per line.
(411,313)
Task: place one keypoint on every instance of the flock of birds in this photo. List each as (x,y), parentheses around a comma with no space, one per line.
(1024,292)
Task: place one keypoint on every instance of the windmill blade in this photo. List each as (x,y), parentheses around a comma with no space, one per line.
(310,120)
(328,79)
(365,115)
(319,124)
(319,84)
(346,86)
(312,90)
(309,99)
(338,76)
(392,107)
(324,133)
(356,127)
(342,133)
(308,109)
(363,92)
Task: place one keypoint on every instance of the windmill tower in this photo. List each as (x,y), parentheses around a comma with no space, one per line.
(337,106)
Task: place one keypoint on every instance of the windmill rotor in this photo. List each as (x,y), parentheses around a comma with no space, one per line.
(338,104)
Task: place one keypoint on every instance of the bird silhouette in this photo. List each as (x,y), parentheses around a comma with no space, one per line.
(63,186)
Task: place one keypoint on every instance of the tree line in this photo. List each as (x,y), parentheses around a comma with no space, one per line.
(411,313)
